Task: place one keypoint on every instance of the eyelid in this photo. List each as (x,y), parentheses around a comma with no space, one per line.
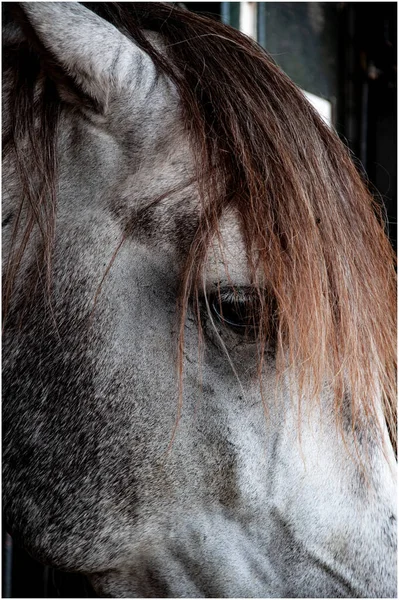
(236,294)
(230,296)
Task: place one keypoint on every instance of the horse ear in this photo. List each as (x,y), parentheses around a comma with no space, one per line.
(86,55)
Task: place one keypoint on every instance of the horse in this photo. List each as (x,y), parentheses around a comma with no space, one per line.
(199,316)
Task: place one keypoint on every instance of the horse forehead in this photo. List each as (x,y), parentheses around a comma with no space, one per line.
(227,256)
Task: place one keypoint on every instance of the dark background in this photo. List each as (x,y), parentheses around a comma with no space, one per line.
(344,52)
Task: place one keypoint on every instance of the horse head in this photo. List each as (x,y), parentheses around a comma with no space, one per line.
(199,316)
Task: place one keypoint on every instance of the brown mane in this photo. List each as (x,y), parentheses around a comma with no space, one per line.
(312,229)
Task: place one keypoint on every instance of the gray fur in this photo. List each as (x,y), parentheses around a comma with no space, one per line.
(241,506)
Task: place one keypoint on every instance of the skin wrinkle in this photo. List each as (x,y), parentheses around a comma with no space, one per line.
(207,190)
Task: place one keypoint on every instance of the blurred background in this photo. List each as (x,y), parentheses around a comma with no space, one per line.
(343,56)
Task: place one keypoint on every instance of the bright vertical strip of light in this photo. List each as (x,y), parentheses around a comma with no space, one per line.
(248,18)
(323,107)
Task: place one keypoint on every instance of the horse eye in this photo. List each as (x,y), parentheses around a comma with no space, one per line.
(237,310)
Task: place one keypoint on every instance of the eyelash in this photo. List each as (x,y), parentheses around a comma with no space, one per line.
(236,309)
(245,311)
